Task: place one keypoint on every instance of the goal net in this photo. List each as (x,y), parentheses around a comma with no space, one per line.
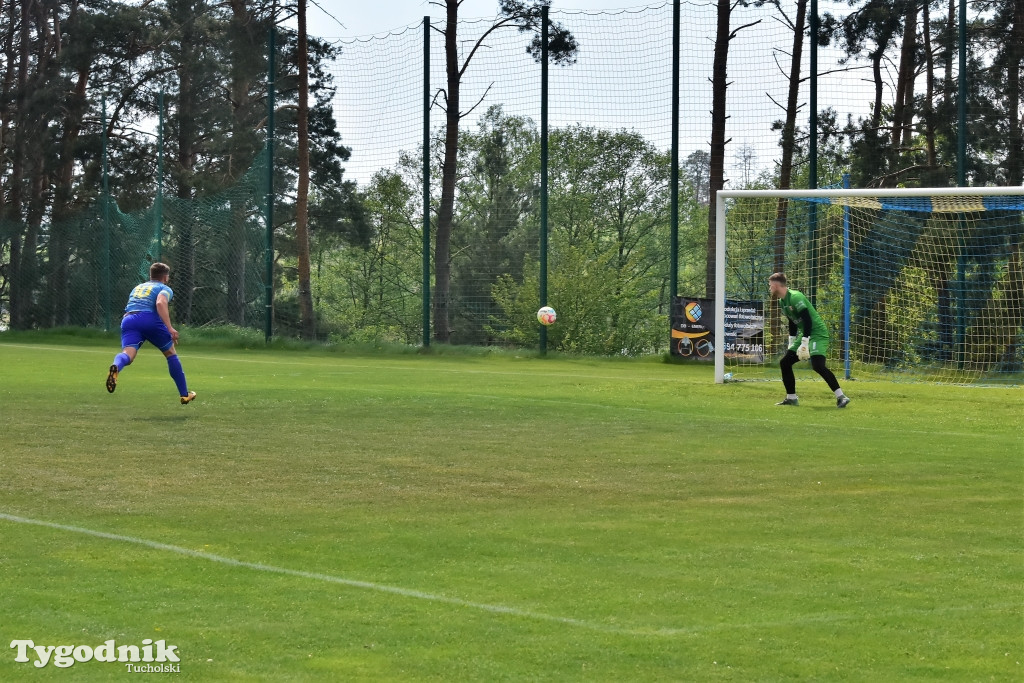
(920,284)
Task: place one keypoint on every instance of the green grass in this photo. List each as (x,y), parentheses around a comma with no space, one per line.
(541,519)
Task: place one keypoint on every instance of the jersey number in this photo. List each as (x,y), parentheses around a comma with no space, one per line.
(142,291)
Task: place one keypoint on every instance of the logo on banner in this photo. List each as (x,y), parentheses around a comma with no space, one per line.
(691,328)
(693,311)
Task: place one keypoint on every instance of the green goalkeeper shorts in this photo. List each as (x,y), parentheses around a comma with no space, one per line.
(816,345)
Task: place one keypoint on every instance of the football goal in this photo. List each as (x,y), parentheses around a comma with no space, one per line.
(920,284)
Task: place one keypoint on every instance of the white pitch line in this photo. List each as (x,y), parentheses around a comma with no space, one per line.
(354,583)
(502,609)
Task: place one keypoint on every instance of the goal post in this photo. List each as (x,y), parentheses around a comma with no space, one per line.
(921,284)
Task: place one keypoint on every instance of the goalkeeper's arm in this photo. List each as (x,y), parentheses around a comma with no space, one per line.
(805,322)
(802,352)
(796,343)
(794,329)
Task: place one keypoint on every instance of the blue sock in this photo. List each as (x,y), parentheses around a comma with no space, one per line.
(177,374)
(122,360)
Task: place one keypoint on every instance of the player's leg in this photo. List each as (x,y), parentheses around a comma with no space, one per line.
(159,336)
(131,340)
(126,357)
(178,375)
(818,363)
(788,378)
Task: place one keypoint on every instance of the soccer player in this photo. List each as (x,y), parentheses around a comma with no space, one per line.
(146,318)
(812,342)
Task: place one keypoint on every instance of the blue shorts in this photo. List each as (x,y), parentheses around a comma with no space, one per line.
(145,326)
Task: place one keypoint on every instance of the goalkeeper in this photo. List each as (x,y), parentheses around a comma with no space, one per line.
(812,342)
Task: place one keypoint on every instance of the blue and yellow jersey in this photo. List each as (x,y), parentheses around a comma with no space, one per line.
(143,297)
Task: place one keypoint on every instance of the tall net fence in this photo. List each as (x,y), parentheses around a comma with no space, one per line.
(609,229)
(216,245)
(927,288)
(610,135)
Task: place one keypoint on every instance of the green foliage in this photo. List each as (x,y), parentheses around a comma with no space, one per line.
(598,312)
(908,307)
(607,261)
(210,62)
(496,223)
(562,46)
(751,229)
(608,190)
(372,291)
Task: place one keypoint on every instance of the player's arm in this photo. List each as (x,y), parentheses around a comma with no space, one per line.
(806,323)
(802,351)
(165,314)
(793,339)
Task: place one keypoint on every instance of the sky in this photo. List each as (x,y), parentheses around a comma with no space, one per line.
(348,18)
(620,81)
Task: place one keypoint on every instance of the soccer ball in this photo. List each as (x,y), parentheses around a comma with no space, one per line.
(546,315)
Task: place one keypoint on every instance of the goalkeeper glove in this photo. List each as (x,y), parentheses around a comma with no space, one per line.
(803,353)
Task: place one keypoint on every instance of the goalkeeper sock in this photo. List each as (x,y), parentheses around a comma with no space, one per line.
(839,393)
(178,374)
(793,396)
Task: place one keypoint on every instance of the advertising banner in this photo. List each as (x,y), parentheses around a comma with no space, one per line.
(693,329)
(744,331)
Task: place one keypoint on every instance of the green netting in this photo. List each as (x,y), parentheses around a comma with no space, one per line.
(610,123)
(215,246)
(935,285)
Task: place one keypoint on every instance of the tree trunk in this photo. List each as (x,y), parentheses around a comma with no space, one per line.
(789,135)
(788,149)
(876,78)
(6,125)
(719,85)
(59,252)
(185,268)
(18,295)
(34,131)
(910,45)
(1015,47)
(445,212)
(929,121)
(242,152)
(302,201)
(949,43)
(29,267)
(902,111)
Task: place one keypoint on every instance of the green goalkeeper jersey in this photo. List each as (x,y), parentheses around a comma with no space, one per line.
(793,306)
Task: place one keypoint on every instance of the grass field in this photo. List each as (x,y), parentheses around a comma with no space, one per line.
(329,516)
